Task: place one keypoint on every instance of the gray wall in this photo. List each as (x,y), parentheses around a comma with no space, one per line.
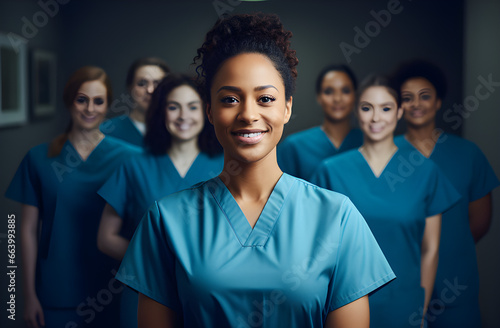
(481,54)
(111,34)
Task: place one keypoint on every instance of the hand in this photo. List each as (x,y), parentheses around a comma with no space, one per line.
(33,313)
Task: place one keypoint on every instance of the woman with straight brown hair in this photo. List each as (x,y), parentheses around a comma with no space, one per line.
(57,184)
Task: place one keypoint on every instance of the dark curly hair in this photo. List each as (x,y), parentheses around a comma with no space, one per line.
(336,68)
(157,139)
(421,68)
(243,33)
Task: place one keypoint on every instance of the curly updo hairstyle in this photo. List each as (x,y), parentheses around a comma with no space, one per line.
(243,33)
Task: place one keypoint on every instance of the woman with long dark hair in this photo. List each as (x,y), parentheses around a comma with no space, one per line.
(181,150)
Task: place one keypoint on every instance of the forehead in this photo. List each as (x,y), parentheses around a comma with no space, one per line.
(247,70)
(377,94)
(183,93)
(149,72)
(92,87)
(416,84)
(337,78)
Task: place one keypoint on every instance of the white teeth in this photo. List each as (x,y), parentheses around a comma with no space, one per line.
(249,135)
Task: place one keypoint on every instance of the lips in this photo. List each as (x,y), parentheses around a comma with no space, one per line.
(417,113)
(183,126)
(249,137)
(89,119)
(376,128)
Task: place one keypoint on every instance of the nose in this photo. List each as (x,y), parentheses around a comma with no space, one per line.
(183,112)
(375,115)
(90,107)
(150,87)
(336,97)
(248,112)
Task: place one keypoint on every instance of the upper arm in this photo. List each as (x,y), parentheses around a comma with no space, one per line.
(111,222)
(151,314)
(29,217)
(480,213)
(432,233)
(354,314)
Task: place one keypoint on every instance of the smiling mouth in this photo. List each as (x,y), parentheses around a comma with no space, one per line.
(249,137)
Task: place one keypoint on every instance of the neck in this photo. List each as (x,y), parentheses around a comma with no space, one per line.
(424,138)
(183,149)
(137,114)
(378,150)
(85,141)
(251,181)
(336,130)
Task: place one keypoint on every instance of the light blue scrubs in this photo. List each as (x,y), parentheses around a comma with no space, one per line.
(395,205)
(136,185)
(300,153)
(309,253)
(70,269)
(122,127)
(455,299)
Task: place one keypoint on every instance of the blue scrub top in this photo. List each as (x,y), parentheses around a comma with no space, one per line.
(69,266)
(300,153)
(122,127)
(463,163)
(309,253)
(395,205)
(145,178)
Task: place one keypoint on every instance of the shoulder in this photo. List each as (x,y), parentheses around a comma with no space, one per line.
(458,143)
(121,145)
(342,159)
(303,135)
(317,196)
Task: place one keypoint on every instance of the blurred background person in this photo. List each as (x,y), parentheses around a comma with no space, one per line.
(57,184)
(142,78)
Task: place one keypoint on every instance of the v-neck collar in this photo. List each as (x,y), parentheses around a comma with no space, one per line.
(330,141)
(191,168)
(433,149)
(258,236)
(363,159)
(73,148)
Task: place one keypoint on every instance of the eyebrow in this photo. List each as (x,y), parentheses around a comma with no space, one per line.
(178,104)
(259,88)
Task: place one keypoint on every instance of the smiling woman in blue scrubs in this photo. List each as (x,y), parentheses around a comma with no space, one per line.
(300,153)
(422,86)
(253,247)
(142,78)
(181,150)
(401,195)
(57,183)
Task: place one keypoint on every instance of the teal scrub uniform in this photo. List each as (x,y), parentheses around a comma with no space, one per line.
(71,273)
(309,253)
(122,127)
(395,205)
(300,153)
(136,185)
(456,291)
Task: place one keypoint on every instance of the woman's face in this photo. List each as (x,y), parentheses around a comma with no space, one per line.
(336,96)
(90,105)
(378,113)
(419,101)
(184,113)
(145,81)
(248,107)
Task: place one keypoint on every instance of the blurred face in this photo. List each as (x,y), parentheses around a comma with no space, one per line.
(378,114)
(248,107)
(90,105)
(336,96)
(184,113)
(145,81)
(419,101)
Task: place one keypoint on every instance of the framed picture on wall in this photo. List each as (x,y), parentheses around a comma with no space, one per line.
(43,84)
(13,81)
